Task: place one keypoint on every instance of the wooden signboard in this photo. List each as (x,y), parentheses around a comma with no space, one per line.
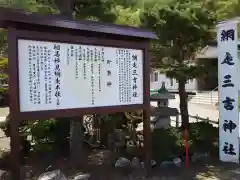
(64,75)
(64,68)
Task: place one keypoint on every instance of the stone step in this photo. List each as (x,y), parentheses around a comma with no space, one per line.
(205,98)
(204,103)
(204,95)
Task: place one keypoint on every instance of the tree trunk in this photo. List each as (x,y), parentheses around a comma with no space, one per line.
(76,125)
(76,140)
(66,7)
(183,103)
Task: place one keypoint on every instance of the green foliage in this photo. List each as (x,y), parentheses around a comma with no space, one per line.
(166,144)
(129,3)
(3,42)
(169,143)
(177,46)
(204,137)
(44,135)
(3,73)
(127,16)
(29,5)
(98,10)
(107,118)
(226,9)
(183,28)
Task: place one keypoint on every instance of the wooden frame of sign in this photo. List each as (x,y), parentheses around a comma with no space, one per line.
(27,30)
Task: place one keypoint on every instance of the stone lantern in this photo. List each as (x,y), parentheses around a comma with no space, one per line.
(160,115)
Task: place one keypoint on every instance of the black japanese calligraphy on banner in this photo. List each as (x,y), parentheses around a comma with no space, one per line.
(92,74)
(229,149)
(45,70)
(49,60)
(135,75)
(30,73)
(76,62)
(72,51)
(109,83)
(118,62)
(228,92)
(228,59)
(122,70)
(34,74)
(125,75)
(97,55)
(57,73)
(42,58)
(102,54)
(125,67)
(129,76)
(88,54)
(36,57)
(227,82)
(227,35)
(108,70)
(68,55)
(84,63)
(229,125)
(228,103)
(47,64)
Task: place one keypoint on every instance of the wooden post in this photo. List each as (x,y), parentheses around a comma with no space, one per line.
(147,140)
(147,133)
(15,150)
(66,8)
(76,141)
(13,106)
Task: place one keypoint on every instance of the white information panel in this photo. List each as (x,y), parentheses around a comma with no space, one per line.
(228,92)
(56,75)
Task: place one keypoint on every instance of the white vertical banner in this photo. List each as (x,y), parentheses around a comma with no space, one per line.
(228,91)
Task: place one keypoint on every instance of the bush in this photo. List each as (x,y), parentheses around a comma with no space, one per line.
(163,144)
(44,135)
(4,101)
(169,143)
(49,135)
(4,81)
(204,137)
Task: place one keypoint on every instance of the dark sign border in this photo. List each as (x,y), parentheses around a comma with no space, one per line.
(14,104)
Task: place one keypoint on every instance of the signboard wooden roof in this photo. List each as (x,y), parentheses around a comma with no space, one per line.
(10,16)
